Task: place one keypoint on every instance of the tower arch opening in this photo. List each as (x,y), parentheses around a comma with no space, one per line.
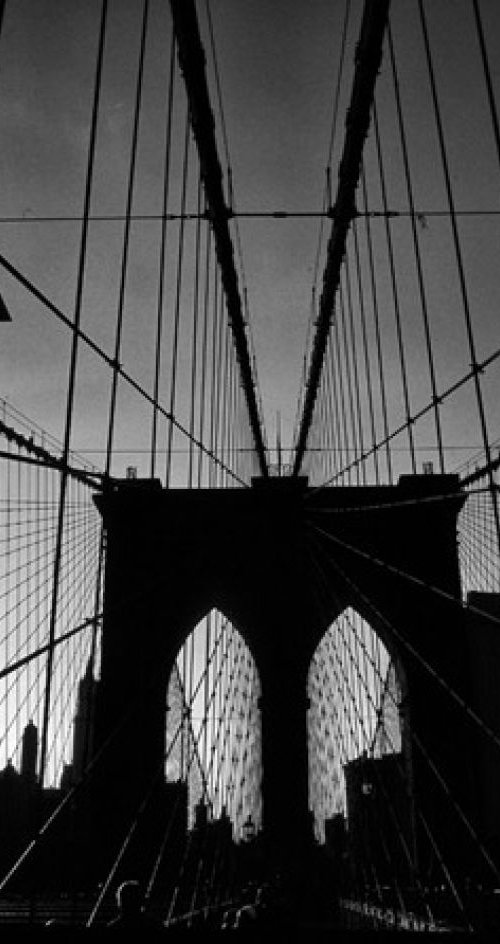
(212,730)
(357,743)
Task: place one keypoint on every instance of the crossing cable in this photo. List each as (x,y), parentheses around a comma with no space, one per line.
(232,211)
(192,63)
(436,400)
(328,212)
(432,839)
(139,813)
(476,369)
(368,58)
(368,376)
(487,75)
(350,311)
(109,361)
(163,253)
(444,785)
(326,193)
(204,349)
(394,286)
(482,365)
(38,455)
(72,380)
(376,321)
(456,697)
(327,593)
(194,342)
(343,300)
(177,307)
(69,797)
(126,238)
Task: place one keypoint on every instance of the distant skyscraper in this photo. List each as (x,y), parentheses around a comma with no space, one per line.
(29,752)
(83,723)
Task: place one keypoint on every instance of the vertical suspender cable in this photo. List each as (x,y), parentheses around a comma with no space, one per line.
(416,248)
(126,239)
(163,251)
(394,285)
(177,312)
(194,339)
(71,387)
(368,377)
(215,306)
(460,267)
(119,326)
(204,350)
(347,361)
(361,459)
(487,75)
(376,320)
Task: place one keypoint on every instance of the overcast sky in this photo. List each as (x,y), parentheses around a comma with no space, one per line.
(278,64)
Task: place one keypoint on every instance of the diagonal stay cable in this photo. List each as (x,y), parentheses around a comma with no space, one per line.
(192,63)
(368,59)
(409,647)
(111,363)
(434,768)
(472,832)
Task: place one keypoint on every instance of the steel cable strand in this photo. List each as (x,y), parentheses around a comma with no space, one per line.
(126,240)
(366,356)
(109,361)
(139,813)
(394,632)
(409,646)
(75,340)
(133,707)
(177,303)
(27,661)
(163,251)
(71,529)
(422,818)
(435,400)
(376,322)
(194,332)
(354,422)
(459,262)
(326,593)
(394,287)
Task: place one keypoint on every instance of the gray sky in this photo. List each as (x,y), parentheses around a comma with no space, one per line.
(278,64)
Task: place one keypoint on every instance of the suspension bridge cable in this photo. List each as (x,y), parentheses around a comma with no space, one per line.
(445,394)
(109,361)
(192,63)
(432,838)
(126,238)
(376,321)
(72,375)
(436,400)
(409,647)
(177,304)
(204,347)
(194,335)
(476,370)
(327,203)
(368,377)
(326,592)
(354,360)
(394,286)
(163,251)
(368,57)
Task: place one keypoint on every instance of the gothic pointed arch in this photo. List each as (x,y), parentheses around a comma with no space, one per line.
(212,732)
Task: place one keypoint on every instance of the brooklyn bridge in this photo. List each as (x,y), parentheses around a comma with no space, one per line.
(249,452)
